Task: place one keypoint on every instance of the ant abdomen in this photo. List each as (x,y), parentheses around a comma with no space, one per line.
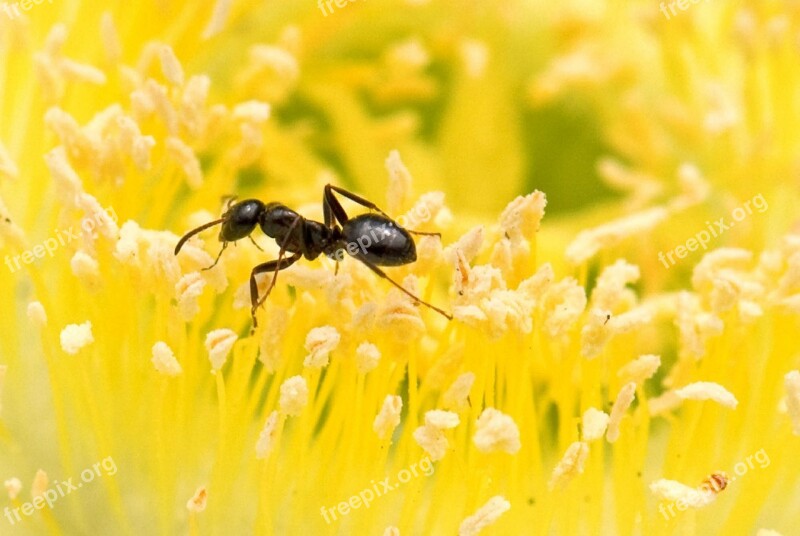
(378,240)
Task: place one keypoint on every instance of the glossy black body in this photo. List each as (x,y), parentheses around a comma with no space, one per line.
(240,220)
(368,237)
(378,240)
(374,238)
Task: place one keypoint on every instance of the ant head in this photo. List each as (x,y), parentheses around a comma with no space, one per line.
(240,219)
(237,222)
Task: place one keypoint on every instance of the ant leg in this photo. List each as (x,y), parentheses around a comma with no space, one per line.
(424,233)
(274,266)
(254,242)
(401,288)
(283,262)
(332,209)
(271,266)
(327,212)
(352,197)
(331,200)
(224,245)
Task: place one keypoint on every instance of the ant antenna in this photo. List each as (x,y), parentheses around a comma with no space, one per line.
(193,232)
(224,245)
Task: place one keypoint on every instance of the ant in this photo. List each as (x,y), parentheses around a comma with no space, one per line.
(375,239)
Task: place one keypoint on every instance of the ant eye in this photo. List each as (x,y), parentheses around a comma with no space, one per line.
(241,219)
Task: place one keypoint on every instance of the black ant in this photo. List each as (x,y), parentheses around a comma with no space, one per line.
(374,239)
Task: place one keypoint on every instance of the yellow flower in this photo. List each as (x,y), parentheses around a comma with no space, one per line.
(615,189)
